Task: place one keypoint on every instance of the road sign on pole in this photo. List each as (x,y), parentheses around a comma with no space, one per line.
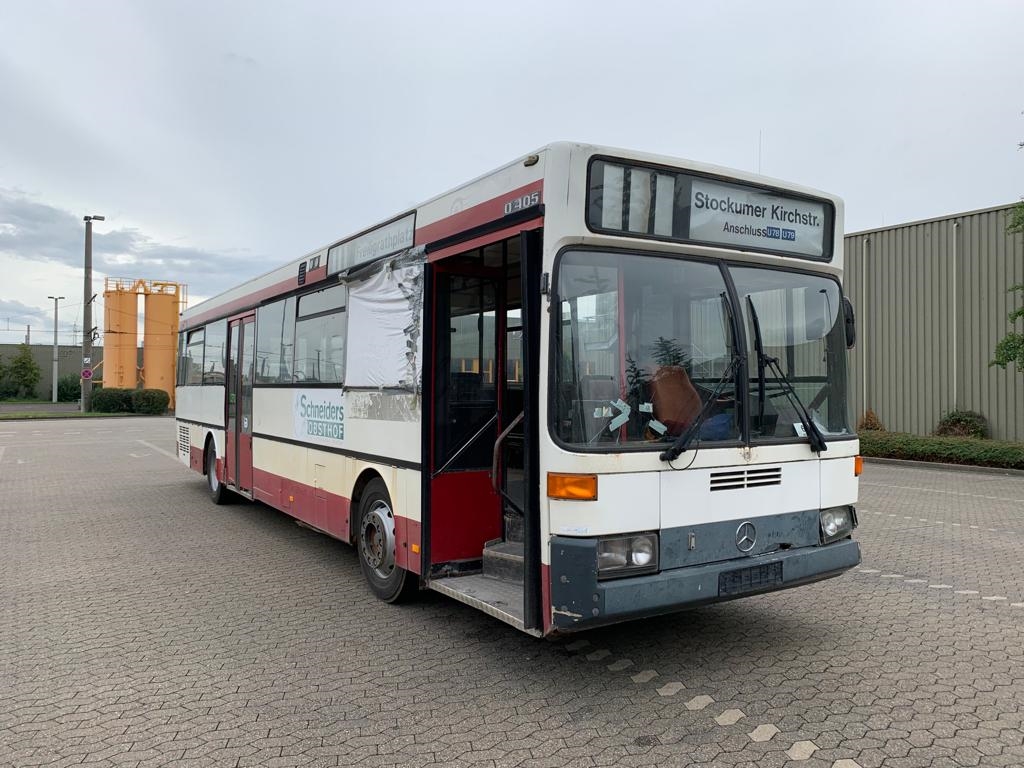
(87,373)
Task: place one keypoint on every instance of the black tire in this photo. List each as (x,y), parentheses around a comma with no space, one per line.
(218,492)
(376,543)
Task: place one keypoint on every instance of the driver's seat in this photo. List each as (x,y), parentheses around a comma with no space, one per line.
(675,399)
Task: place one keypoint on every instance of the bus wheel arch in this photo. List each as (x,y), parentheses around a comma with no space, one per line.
(218,492)
(374,537)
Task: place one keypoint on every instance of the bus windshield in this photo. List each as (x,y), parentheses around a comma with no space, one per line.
(644,342)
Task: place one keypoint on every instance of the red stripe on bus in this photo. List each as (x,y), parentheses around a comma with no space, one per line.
(482,213)
(331,513)
(545,596)
(491,237)
(240,304)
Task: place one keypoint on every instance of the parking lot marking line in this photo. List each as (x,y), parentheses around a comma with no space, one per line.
(2,449)
(915,581)
(802,750)
(671,689)
(965,592)
(940,586)
(649,674)
(730,717)
(764,732)
(698,703)
(939,490)
(1017,605)
(152,447)
(994,597)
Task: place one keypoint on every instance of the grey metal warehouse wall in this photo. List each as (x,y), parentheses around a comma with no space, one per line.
(932,301)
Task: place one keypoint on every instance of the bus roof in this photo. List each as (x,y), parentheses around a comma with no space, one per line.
(284,278)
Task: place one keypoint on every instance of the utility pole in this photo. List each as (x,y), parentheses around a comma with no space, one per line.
(28,334)
(56,348)
(87,315)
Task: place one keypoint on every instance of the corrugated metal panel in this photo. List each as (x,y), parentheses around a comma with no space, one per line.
(932,302)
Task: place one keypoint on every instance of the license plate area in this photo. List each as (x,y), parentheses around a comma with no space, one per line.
(752,579)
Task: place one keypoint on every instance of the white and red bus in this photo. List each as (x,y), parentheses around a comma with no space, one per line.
(589,386)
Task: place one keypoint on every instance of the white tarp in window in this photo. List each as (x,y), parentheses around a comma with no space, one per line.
(385,341)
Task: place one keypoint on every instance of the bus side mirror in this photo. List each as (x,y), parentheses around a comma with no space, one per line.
(850,322)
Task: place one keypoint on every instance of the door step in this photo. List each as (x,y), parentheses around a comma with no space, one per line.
(504,560)
(514,529)
(500,599)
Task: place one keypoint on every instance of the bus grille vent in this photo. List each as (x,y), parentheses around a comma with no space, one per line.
(734,480)
(183,440)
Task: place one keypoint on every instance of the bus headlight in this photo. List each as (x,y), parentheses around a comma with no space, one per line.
(627,555)
(836,523)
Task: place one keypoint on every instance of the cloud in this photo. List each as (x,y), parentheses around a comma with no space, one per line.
(21,315)
(41,233)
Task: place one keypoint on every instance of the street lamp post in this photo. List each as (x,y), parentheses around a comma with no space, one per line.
(87,314)
(56,356)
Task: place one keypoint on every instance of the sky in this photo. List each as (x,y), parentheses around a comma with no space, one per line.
(221,139)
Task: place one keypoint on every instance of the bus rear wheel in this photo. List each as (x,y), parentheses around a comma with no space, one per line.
(376,542)
(218,493)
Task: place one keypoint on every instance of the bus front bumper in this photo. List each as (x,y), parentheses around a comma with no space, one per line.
(579,600)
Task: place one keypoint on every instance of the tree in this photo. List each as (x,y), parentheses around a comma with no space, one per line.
(22,373)
(1010,349)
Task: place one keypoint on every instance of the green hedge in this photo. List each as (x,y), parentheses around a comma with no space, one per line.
(950,450)
(152,401)
(112,400)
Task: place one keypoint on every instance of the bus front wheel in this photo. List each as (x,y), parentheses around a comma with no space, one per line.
(375,540)
(218,493)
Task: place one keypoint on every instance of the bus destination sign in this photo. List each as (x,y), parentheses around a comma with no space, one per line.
(386,239)
(745,216)
(686,207)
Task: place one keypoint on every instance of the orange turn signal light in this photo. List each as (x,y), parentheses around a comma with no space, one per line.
(858,465)
(572,487)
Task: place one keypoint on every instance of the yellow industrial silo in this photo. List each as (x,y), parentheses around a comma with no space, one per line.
(120,334)
(160,341)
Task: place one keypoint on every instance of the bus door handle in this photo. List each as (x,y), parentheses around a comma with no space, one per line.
(497,452)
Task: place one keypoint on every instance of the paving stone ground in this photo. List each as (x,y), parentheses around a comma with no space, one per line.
(142,626)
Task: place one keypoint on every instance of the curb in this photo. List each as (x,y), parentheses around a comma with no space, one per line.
(935,465)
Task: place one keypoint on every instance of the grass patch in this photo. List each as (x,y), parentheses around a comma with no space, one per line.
(948,450)
(23,415)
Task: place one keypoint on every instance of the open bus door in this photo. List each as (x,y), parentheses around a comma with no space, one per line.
(482,537)
(238,447)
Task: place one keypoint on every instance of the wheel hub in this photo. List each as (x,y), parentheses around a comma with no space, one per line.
(377,539)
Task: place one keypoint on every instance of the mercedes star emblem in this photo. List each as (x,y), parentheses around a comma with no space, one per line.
(746,536)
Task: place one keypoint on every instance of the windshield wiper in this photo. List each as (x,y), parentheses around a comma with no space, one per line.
(813,434)
(683,441)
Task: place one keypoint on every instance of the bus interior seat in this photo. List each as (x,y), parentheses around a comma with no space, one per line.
(675,399)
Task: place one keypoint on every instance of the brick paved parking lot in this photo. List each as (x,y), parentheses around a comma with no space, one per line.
(141,625)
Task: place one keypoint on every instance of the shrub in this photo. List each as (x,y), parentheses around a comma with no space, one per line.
(870,421)
(962,424)
(112,400)
(950,450)
(69,388)
(21,375)
(152,401)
